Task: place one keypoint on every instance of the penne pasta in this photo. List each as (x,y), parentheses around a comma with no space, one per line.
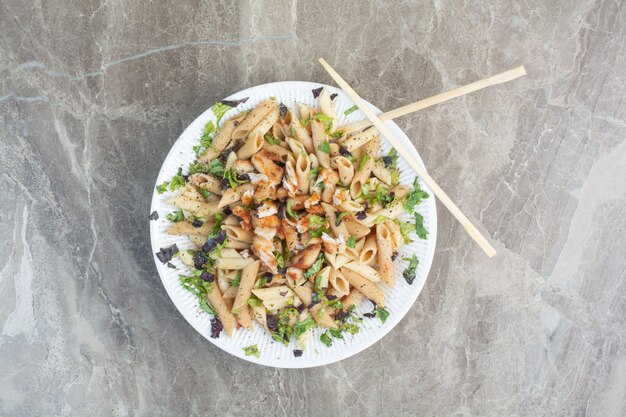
(367,256)
(219,143)
(365,286)
(194,207)
(321,146)
(214,298)
(363,270)
(354,142)
(248,276)
(251,146)
(385,252)
(253,118)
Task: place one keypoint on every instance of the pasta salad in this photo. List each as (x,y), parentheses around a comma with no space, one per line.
(294,221)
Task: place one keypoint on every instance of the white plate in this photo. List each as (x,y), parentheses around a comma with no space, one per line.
(399,299)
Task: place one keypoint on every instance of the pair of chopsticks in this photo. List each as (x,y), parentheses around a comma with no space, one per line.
(377,121)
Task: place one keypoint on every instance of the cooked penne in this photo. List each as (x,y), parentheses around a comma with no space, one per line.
(302,136)
(363,270)
(219,143)
(266,123)
(253,118)
(367,256)
(326,107)
(385,253)
(396,236)
(232,195)
(339,283)
(233,263)
(223,312)
(237,233)
(252,145)
(194,207)
(321,145)
(364,285)
(354,142)
(248,276)
(356,229)
(185,227)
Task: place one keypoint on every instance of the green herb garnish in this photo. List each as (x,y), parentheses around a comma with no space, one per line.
(315,268)
(216,168)
(364,158)
(232,178)
(324,146)
(252,351)
(290,211)
(162,187)
(414,197)
(325,339)
(316,221)
(303,326)
(381,313)
(351,242)
(351,110)
(178,180)
(314,173)
(326,120)
(176,217)
(271,139)
(409,272)
(204,193)
(419,226)
(254,302)
(237,279)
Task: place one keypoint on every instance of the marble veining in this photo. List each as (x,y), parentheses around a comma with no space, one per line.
(93,94)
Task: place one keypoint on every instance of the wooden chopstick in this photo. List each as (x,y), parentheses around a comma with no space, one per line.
(403,151)
(440,98)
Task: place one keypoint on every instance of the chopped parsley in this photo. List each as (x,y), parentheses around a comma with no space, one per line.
(383,196)
(380,219)
(254,302)
(233,179)
(325,339)
(351,242)
(303,326)
(294,133)
(324,146)
(204,193)
(364,158)
(419,226)
(336,333)
(261,282)
(280,259)
(327,121)
(337,134)
(395,177)
(351,110)
(406,228)
(414,197)
(176,217)
(409,272)
(290,211)
(198,286)
(216,168)
(340,217)
(178,180)
(391,159)
(206,139)
(162,187)
(315,268)
(381,313)
(319,232)
(237,279)
(316,221)
(271,139)
(219,109)
(252,351)
(314,173)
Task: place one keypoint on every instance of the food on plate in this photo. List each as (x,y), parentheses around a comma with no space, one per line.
(292,221)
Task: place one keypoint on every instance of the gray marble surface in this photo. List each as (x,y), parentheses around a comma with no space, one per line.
(94,92)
